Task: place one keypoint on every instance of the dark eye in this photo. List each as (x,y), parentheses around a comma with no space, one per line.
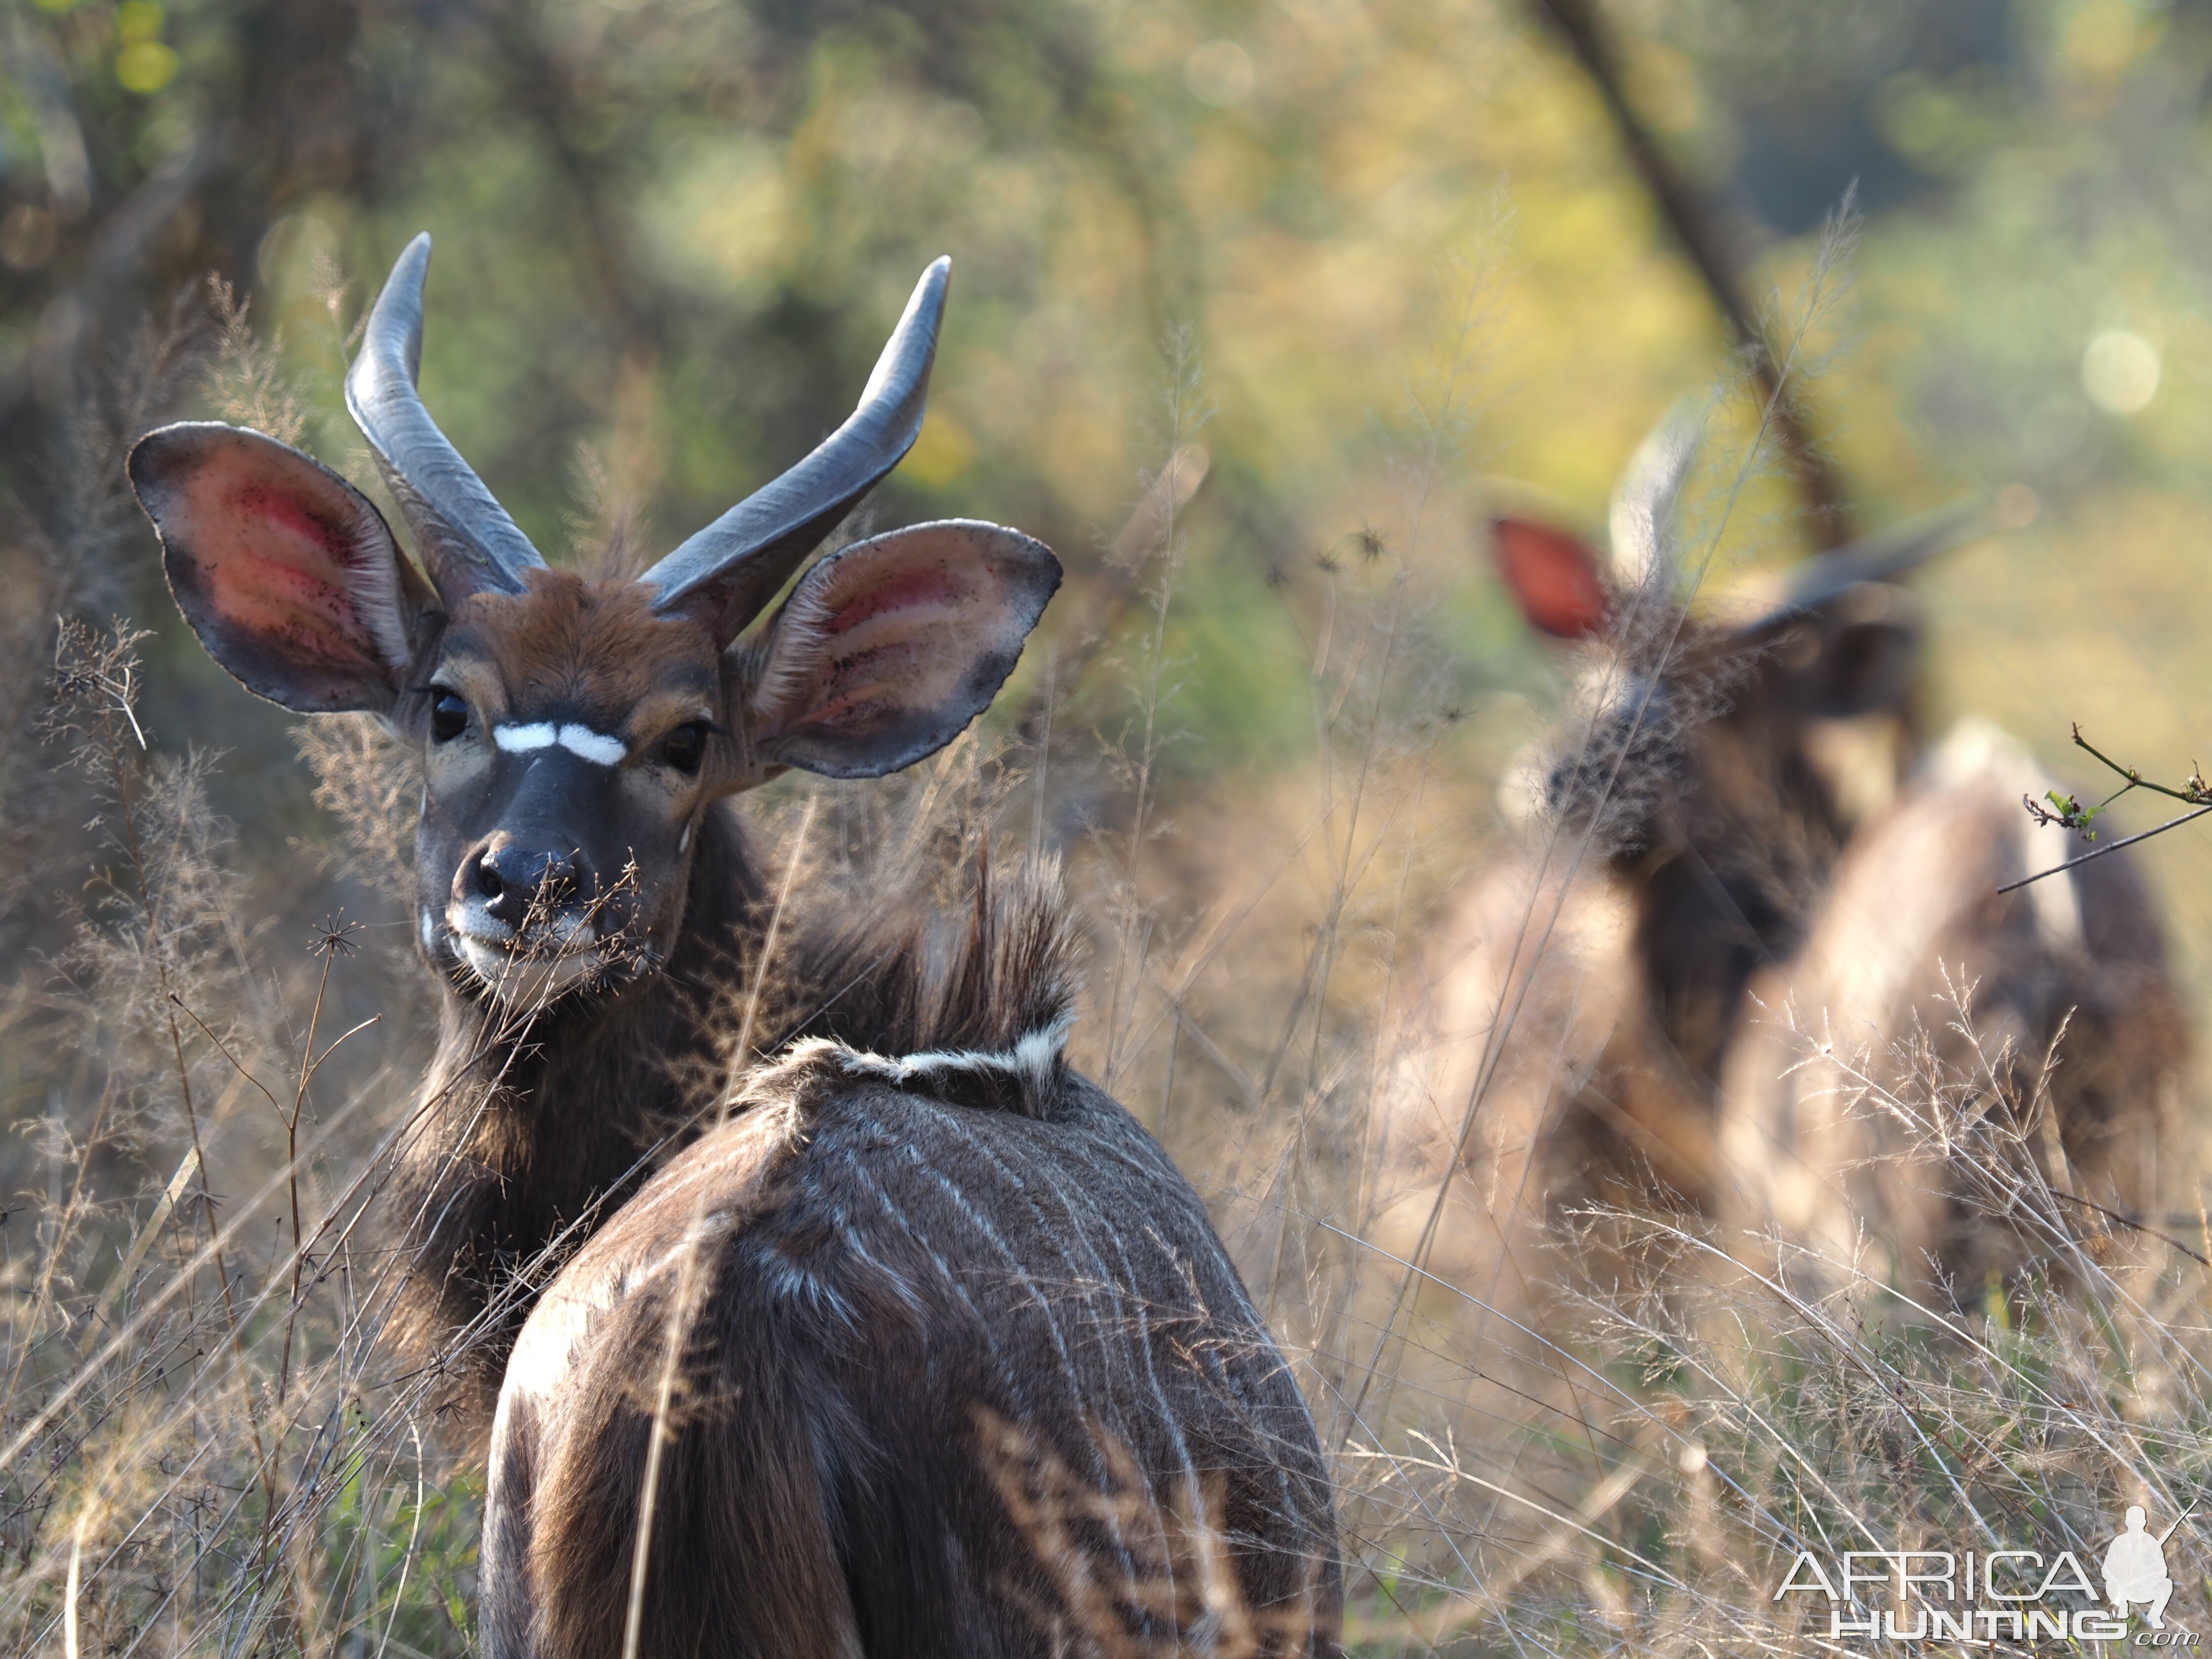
(449,716)
(686,746)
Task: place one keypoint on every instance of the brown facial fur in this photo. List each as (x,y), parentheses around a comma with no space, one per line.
(570,653)
(593,650)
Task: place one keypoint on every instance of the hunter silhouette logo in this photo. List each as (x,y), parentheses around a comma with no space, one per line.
(1987,1597)
(2135,1568)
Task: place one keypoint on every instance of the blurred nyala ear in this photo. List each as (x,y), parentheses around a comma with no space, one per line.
(1554,577)
(886,650)
(288,574)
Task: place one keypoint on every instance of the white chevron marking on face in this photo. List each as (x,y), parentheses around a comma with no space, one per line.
(519,739)
(587,744)
(579,740)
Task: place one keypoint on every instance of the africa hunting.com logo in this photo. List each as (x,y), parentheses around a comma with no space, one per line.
(2008,1595)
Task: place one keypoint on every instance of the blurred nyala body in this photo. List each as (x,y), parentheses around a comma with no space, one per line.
(1934,1048)
(1587,982)
(917,1239)
(1735,836)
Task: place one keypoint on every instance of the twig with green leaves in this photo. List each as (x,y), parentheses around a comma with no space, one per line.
(2068,812)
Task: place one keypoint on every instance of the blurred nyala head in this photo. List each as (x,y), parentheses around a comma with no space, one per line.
(574,730)
(1685,726)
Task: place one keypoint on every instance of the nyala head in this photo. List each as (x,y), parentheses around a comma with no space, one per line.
(574,730)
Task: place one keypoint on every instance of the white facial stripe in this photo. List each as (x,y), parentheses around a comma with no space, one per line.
(587,744)
(579,740)
(520,739)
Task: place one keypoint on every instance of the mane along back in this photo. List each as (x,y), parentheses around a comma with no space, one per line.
(981,1006)
(1105,1421)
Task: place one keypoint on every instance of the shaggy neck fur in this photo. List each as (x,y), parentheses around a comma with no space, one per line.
(1745,850)
(527,1144)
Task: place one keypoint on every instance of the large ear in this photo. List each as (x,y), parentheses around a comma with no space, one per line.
(287,573)
(887,649)
(1554,576)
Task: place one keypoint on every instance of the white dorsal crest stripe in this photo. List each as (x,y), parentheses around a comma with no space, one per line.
(1033,1056)
(579,740)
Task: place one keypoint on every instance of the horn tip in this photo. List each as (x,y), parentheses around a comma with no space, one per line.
(936,283)
(930,291)
(414,260)
(408,271)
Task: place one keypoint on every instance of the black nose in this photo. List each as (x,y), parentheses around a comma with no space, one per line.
(519,882)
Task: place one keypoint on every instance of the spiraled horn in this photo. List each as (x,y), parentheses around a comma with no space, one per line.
(1642,522)
(463,535)
(1881,558)
(749,552)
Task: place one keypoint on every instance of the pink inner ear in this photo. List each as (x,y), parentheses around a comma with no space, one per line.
(887,626)
(1553,576)
(846,698)
(285,570)
(284,566)
(925,584)
(887,649)
(288,513)
(878,641)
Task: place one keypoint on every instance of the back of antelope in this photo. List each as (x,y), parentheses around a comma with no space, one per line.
(924,1348)
(1948,1080)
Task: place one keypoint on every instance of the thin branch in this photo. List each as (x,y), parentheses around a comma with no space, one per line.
(2128,1221)
(2098,853)
(1692,222)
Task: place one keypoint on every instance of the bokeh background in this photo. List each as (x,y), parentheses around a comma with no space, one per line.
(1359,269)
(670,237)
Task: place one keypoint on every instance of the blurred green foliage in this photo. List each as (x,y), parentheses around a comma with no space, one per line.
(671,234)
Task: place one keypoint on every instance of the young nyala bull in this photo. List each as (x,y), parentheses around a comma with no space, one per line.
(1563,1049)
(927,1350)
(1587,982)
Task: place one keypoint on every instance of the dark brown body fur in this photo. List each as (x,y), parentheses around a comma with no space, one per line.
(1584,987)
(971,1374)
(895,1277)
(1930,1023)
